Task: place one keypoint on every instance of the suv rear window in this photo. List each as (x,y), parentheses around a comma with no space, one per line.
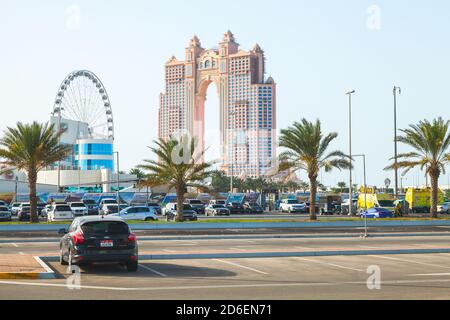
(62,208)
(105,227)
(77,205)
(195,202)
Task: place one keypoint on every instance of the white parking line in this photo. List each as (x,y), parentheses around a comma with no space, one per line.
(330,264)
(410,261)
(153,270)
(429,274)
(241,266)
(262,285)
(15,245)
(21,253)
(168,250)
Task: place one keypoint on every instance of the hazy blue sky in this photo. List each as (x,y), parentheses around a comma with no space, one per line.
(316,50)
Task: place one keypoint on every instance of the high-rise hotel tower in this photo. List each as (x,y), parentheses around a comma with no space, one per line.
(247,104)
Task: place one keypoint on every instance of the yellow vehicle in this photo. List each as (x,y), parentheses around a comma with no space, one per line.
(419,199)
(373,199)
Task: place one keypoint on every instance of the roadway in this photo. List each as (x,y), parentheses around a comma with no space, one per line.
(425,276)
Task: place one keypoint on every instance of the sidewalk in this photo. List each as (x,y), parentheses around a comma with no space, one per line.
(16,266)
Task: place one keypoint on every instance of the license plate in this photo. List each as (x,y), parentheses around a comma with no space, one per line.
(106,243)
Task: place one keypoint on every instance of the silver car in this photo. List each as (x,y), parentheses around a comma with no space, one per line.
(137,213)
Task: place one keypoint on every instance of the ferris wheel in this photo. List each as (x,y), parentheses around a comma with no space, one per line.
(82,97)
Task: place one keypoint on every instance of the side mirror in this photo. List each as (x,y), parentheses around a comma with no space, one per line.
(62,231)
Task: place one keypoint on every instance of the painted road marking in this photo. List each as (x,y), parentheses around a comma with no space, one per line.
(429,274)
(15,245)
(21,253)
(331,264)
(262,285)
(410,261)
(153,270)
(241,266)
(170,251)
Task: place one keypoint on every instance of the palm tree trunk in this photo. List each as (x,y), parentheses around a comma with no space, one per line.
(434,193)
(312,198)
(180,201)
(32,177)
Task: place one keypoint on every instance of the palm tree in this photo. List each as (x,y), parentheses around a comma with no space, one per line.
(341,185)
(431,142)
(31,148)
(178,166)
(303,186)
(138,173)
(307,147)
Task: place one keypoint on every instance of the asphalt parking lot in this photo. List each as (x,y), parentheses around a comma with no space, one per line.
(411,276)
(337,277)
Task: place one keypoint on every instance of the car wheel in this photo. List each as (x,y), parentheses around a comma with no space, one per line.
(61,258)
(149,219)
(132,266)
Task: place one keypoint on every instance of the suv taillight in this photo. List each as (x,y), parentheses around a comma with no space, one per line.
(132,237)
(78,237)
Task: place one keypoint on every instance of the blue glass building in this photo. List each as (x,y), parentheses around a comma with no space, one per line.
(93,154)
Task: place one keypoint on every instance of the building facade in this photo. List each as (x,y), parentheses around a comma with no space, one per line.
(247,103)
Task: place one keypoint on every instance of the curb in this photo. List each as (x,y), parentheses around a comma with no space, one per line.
(245,225)
(269,236)
(182,256)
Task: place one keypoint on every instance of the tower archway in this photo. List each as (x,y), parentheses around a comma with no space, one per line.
(246,103)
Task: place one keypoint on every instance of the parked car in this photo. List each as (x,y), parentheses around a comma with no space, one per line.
(78,208)
(292,206)
(345,206)
(216,210)
(91,206)
(45,211)
(107,201)
(39,207)
(60,212)
(155,206)
(380,213)
(253,207)
(188,212)
(197,205)
(92,239)
(5,214)
(215,201)
(24,212)
(14,207)
(109,209)
(308,205)
(444,208)
(3,203)
(235,208)
(143,213)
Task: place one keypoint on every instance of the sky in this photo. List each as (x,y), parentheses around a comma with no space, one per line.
(315,50)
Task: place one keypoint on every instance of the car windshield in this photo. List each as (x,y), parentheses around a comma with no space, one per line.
(386,203)
(62,208)
(215,206)
(77,205)
(153,205)
(89,202)
(15,205)
(195,202)
(109,201)
(113,208)
(292,202)
(105,227)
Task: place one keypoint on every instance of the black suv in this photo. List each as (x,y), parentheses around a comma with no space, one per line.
(197,205)
(91,239)
(235,208)
(253,207)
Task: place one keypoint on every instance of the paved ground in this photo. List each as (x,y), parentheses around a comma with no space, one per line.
(19,263)
(402,277)
(424,276)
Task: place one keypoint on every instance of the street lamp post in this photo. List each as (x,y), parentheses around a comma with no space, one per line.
(118,176)
(15,188)
(399,91)
(59,142)
(365,194)
(232,114)
(350,193)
